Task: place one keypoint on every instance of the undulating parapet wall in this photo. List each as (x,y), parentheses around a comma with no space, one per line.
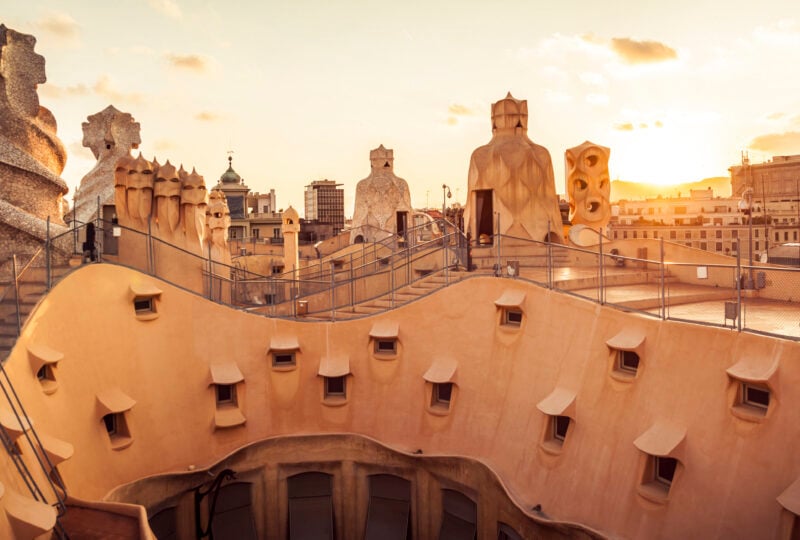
(556,395)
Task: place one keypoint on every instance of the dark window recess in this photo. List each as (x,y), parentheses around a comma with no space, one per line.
(226,393)
(110,420)
(389,508)
(755,396)
(442,392)
(459,516)
(44,373)
(283,358)
(233,514)
(627,361)
(513,317)
(560,427)
(385,345)
(143,305)
(335,386)
(665,469)
(310,506)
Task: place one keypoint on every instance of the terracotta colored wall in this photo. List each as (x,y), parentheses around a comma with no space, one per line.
(726,487)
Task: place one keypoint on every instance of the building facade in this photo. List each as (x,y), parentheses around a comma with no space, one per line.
(254,216)
(324,205)
(765,218)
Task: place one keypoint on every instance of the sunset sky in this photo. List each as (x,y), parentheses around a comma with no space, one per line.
(303,90)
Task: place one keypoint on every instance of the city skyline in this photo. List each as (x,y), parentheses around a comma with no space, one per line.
(303,92)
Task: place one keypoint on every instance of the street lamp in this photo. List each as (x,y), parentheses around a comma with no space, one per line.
(446,194)
(746,206)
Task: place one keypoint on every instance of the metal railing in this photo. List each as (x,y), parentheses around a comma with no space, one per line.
(760,298)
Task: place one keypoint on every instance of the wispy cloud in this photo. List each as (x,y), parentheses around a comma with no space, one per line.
(60,25)
(77,150)
(105,87)
(632,51)
(164,145)
(603,53)
(206,116)
(190,62)
(784,33)
(631,126)
(777,143)
(461,110)
(53,91)
(168,8)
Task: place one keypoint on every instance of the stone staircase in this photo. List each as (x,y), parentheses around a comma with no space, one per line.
(32,287)
(529,255)
(422,287)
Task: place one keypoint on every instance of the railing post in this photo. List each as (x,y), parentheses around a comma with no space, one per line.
(16,292)
(446,267)
(74,234)
(150,249)
(469,252)
(210,275)
(391,274)
(408,262)
(663,283)
(48,276)
(739,284)
(352,285)
(97,229)
(549,258)
(600,291)
(498,272)
(333,292)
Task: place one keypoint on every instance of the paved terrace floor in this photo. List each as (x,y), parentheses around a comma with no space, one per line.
(637,289)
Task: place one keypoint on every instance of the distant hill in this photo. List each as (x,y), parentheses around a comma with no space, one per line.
(620,189)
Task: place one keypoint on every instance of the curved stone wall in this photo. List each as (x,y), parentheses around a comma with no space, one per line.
(516,356)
